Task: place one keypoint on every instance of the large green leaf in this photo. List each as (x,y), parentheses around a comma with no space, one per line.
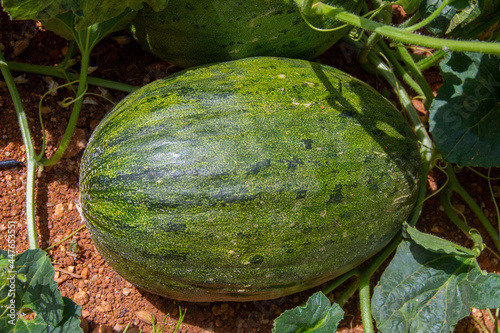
(35,291)
(465,115)
(65,25)
(441,23)
(423,291)
(440,245)
(317,316)
(88,12)
(36,9)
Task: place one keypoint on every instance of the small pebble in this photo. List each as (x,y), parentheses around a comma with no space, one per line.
(85,273)
(81,298)
(144,316)
(59,210)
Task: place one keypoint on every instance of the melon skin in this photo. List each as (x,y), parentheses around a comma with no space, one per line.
(197,32)
(247,180)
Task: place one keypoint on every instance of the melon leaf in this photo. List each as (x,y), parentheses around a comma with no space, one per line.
(465,115)
(455,13)
(317,316)
(88,12)
(439,245)
(426,291)
(35,291)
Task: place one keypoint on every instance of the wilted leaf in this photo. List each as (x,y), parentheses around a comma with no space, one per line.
(318,316)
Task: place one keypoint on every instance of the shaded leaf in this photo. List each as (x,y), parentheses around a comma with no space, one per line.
(478,22)
(460,19)
(71,318)
(37,9)
(465,115)
(424,291)
(316,316)
(88,12)
(37,293)
(440,24)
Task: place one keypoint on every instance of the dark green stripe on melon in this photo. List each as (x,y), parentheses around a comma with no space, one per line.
(196,32)
(247,180)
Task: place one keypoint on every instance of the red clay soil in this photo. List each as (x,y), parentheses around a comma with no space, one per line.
(109,302)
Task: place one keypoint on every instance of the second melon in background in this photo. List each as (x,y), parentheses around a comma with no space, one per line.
(190,33)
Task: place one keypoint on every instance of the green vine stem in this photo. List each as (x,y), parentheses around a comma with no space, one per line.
(402,35)
(494,202)
(69,55)
(426,150)
(391,57)
(431,60)
(31,163)
(384,13)
(82,88)
(417,74)
(445,199)
(348,293)
(341,279)
(431,17)
(455,185)
(370,43)
(411,21)
(364,303)
(495,319)
(64,239)
(366,275)
(426,145)
(62,73)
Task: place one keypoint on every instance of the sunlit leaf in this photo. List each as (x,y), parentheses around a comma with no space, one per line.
(317,316)
(423,291)
(36,293)
(436,244)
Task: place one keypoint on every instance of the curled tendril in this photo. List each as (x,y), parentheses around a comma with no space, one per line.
(320,29)
(493,198)
(440,165)
(370,15)
(65,103)
(42,150)
(70,100)
(102,96)
(483,175)
(490,186)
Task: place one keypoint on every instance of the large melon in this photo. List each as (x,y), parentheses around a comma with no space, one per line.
(247,180)
(196,32)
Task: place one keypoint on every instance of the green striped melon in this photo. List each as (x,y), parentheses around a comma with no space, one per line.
(196,32)
(247,180)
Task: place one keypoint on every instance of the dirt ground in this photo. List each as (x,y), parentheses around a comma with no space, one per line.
(109,302)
